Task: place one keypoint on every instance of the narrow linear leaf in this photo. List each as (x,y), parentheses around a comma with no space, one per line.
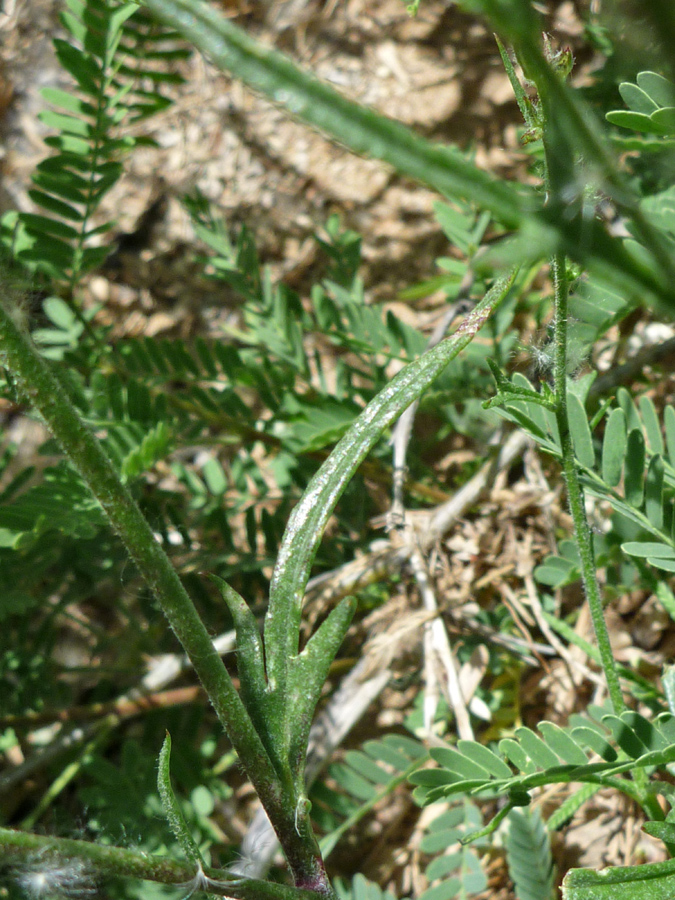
(250,663)
(307,676)
(310,516)
(627,404)
(56,206)
(171,807)
(67,101)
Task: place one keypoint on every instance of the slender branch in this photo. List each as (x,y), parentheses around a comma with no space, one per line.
(554,184)
(575,495)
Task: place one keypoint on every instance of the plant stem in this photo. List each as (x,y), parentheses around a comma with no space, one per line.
(47,395)
(42,389)
(575,496)
(19,846)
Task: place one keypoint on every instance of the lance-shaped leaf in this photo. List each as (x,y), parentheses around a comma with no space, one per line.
(172,810)
(307,676)
(250,661)
(309,518)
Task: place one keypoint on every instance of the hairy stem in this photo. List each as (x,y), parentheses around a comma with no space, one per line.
(21,849)
(42,389)
(575,496)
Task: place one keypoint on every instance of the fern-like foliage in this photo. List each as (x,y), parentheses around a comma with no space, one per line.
(353,787)
(528,854)
(118,59)
(455,870)
(360,888)
(597,749)
(632,467)
(359,782)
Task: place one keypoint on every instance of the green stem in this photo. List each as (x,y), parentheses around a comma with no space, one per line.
(44,392)
(19,846)
(582,531)
(48,397)
(575,496)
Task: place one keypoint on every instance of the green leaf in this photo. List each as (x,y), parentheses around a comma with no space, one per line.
(309,518)
(635,121)
(81,66)
(667,565)
(562,744)
(485,758)
(536,749)
(614,447)
(637,99)
(66,124)
(56,206)
(664,831)
(650,881)
(595,741)
(529,857)
(41,224)
(250,663)
(654,492)
(665,119)
(557,572)
(67,101)
(459,763)
(634,469)
(171,807)
(652,426)
(659,89)
(648,548)
(580,431)
(515,754)
(627,404)
(307,677)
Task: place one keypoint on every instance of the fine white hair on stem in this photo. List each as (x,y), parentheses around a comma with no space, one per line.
(202,882)
(50,877)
